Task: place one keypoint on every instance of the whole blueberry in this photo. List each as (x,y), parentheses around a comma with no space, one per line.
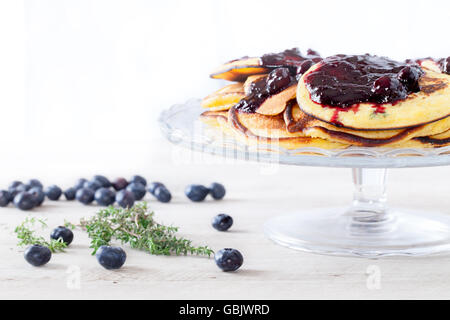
(217,191)
(229,259)
(93,185)
(138,179)
(19,188)
(105,196)
(138,190)
(152,187)
(102,180)
(13,193)
(37,255)
(119,183)
(32,183)
(38,195)
(222,222)
(111,257)
(85,195)
(64,233)
(14,184)
(5,198)
(162,194)
(53,192)
(80,183)
(196,192)
(125,198)
(70,193)
(24,200)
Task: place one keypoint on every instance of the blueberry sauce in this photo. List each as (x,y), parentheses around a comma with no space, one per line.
(345,80)
(260,90)
(288,66)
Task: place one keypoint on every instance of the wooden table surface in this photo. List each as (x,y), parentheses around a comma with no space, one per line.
(255,192)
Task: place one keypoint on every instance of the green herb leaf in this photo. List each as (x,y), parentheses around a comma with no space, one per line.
(137,227)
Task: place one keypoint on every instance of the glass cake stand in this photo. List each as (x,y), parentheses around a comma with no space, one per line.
(367,227)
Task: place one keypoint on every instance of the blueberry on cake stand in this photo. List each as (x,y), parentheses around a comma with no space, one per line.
(368,227)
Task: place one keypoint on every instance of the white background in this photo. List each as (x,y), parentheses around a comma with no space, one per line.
(82,82)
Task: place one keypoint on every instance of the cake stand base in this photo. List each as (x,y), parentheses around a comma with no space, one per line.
(368,228)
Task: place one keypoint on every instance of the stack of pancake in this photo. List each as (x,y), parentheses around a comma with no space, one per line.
(297,101)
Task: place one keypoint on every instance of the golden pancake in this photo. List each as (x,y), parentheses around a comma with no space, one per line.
(224,98)
(298,121)
(430,104)
(271,129)
(214,118)
(239,70)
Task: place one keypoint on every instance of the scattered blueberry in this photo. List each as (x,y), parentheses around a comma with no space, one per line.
(38,196)
(162,194)
(152,187)
(13,193)
(138,190)
(37,255)
(93,185)
(85,195)
(5,198)
(222,222)
(35,183)
(229,259)
(70,193)
(64,233)
(217,191)
(15,184)
(196,192)
(53,192)
(24,200)
(111,257)
(102,180)
(138,179)
(105,196)
(80,183)
(20,188)
(119,184)
(125,198)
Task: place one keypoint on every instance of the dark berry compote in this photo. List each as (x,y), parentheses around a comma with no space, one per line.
(288,66)
(347,80)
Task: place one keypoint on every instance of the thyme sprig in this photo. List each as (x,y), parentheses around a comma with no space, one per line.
(137,227)
(26,233)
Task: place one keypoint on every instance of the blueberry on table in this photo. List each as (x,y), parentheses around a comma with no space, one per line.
(152,187)
(105,196)
(229,259)
(125,198)
(196,192)
(38,195)
(162,194)
(62,233)
(138,179)
(70,193)
(138,190)
(24,200)
(102,180)
(37,255)
(15,184)
(80,183)
(222,222)
(53,192)
(217,191)
(85,195)
(93,185)
(35,183)
(5,198)
(119,183)
(13,193)
(111,257)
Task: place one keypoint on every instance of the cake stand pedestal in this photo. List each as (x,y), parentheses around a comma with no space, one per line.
(368,227)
